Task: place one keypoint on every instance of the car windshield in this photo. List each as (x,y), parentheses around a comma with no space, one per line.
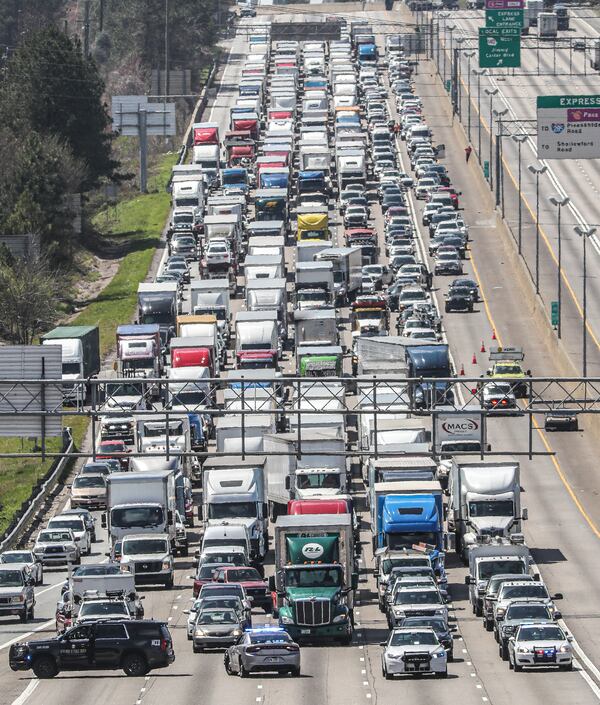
(502,508)
(509,369)
(437,624)
(111,448)
(220,590)
(516,591)
(389,563)
(271,638)
(227,603)
(418,597)
(50,536)
(413,639)
(89,481)
(138,546)
(490,568)
(541,634)
(317,480)
(134,517)
(532,612)
(18,557)
(232,510)
(103,609)
(325,577)
(74,524)
(220,558)
(205,572)
(95,469)
(243,574)
(217,617)
(97,570)
(11,578)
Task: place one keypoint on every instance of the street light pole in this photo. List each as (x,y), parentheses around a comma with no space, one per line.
(499,114)
(537,170)
(491,92)
(479,73)
(519,139)
(469,55)
(584,233)
(559,203)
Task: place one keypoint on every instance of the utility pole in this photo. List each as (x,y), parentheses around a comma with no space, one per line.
(166,84)
(101,17)
(86,28)
(143,130)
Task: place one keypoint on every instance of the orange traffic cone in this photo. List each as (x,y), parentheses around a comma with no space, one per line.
(474,360)
(482,346)
(493,334)
(462,371)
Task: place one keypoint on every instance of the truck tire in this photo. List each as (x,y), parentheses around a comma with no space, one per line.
(44,667)
(134,664)
(184,550)
(169,582)
(488,624)
(24,615)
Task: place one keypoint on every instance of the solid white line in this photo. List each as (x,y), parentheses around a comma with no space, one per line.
(588,679)
(33,684)
(41,627)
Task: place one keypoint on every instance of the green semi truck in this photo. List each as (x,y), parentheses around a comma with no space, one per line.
(315,576)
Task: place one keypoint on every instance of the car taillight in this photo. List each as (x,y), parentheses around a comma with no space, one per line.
(253,649)
(164,644)
(292,647)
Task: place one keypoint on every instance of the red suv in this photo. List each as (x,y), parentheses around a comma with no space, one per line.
(250,580)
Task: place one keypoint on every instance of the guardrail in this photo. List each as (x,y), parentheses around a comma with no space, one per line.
(40,493)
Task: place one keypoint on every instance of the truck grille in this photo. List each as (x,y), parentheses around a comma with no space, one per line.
(5,600)
(256,592)
(420,612)
(416,661)
(54,549)
(313,612)
(148,567)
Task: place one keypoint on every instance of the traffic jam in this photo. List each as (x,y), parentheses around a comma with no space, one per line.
(306,240)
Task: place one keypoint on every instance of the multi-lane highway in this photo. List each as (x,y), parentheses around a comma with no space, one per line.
(560,490)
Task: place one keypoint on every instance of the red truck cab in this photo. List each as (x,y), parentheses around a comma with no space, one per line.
(249,578)
(193,357)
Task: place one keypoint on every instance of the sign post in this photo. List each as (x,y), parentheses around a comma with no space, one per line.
(568,127)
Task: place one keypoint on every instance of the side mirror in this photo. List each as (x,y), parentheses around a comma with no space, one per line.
(557,615)
(287,482)
(272,583)
(186,611)
(383,643)
(191,577)
(103,520)
(569,637)
(355,581)
(376,573)
(528,373)
(469,580)
(525,514)
(557,596)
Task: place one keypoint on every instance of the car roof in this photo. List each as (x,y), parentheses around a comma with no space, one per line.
(409,630)
(13,566)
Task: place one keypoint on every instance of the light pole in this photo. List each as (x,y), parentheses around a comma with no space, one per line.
(479,73)
(537,170)
(499,115)
(456,75)
(441,16)
(166,84)
(559,203)
(519,139)
(584,233)
(469,55)
(447,28)
(491,92)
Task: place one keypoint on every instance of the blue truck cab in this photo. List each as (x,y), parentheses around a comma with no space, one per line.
(427,361)
(312,182)
(367,55)
(407,513)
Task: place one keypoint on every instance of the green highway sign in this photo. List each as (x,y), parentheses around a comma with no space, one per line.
(499,48)
(504,19)
(568,126)
(554,313)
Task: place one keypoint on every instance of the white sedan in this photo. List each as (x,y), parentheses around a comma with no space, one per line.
(413,651)
(540,645)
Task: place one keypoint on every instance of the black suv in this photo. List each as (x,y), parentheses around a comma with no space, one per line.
(135,646)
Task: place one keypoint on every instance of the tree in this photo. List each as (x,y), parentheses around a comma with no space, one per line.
(38,172)
(28,298)
(50,88)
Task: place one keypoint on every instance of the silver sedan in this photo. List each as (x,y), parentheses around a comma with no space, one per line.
(413,651)
(263,649)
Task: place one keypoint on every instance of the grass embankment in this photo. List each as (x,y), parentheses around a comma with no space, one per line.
(137,223)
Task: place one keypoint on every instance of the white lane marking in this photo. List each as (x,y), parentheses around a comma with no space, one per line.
(588,679)
(365,682)
(214,105)
(26,694)
(47,589)
(368,695)
(45,625)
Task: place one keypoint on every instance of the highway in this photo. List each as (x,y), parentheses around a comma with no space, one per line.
(560,492)
(561,71)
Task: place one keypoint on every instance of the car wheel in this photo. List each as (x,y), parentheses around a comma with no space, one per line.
(135,665)
(450,655)
(442,674)
(169,582)
(44,667)
(24,615)
(185,551)
(517,668)
(386,675)
(488,624)
(566,667)
(503,652)
(510,663)
(32,612)
(295,672)
(478,610)
(197,649)
(228,670)
(189,637)
(243,673)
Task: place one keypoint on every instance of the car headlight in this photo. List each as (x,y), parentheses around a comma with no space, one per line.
(199,632)
(500,612)
(284,619)
(166,565)
(394,656)
(17,598)
(340,618)
(125,568)
(564,649)
(237,632)
(438,654)
(522,650)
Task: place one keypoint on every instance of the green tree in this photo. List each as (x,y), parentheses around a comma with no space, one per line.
(29,292)
(50,88)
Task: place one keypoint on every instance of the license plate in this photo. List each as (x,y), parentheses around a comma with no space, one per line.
(305,631)
(273,659)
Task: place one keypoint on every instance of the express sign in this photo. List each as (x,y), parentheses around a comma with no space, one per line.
(568,127)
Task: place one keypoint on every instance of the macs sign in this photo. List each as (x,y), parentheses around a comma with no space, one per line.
(460,427)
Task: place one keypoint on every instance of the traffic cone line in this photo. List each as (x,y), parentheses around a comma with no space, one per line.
(482,346)
(474,360)
(493,334)
(462,371)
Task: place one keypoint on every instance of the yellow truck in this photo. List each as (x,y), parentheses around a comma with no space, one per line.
(312,226)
